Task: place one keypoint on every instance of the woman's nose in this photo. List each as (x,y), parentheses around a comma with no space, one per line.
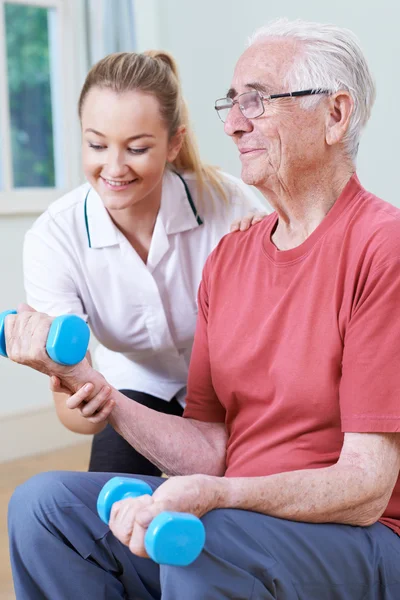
(116,166)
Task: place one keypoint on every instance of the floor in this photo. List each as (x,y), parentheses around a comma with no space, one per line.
(74,458)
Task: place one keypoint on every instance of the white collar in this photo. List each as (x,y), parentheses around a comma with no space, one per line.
(177,213)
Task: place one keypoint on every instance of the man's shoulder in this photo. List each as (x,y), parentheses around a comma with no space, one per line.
(238,245)
(243,239)
(377,225)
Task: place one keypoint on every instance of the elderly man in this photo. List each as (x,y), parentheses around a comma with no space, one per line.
(288,449)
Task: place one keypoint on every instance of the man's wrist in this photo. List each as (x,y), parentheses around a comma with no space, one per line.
(82,373)
(123,411)
(222,491)
(234,492)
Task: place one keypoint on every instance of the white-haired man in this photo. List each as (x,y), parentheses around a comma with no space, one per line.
(289,450)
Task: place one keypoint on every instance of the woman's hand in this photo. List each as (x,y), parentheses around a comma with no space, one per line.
(95,404)
(246,222)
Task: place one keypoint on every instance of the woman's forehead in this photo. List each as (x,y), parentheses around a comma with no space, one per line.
(108,106)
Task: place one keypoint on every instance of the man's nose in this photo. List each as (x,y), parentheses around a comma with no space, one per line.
(236,122)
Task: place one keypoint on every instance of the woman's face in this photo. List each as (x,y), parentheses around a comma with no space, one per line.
(125,147)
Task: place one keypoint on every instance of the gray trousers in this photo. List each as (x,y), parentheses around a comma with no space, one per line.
(61,550)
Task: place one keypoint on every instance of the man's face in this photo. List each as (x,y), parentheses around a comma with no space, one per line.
(286,141)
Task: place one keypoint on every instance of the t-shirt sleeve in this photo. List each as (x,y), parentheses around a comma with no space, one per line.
(202,403)
(49,284)
(370,383)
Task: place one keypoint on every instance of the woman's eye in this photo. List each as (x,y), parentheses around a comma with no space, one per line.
(96,147)
(137,150)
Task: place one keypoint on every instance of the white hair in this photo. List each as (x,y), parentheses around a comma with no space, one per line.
(332,60)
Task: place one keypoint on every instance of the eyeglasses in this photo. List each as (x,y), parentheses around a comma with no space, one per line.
(251,104)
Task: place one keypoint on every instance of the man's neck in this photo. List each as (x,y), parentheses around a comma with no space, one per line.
(304,203)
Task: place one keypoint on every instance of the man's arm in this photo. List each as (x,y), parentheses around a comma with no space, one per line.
(354,491)
(176,445)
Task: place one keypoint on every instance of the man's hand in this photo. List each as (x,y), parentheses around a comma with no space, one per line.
(26,336)
(246,222)
(195,494)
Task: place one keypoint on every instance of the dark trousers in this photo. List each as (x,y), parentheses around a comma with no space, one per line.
(61,550)
(111,453)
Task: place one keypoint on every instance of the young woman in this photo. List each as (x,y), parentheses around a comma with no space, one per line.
(125,251)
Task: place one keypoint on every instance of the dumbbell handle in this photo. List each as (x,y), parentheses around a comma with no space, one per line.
(67,341)
(172,538)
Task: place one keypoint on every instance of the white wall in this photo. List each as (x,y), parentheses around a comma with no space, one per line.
(206,38)
(21,389)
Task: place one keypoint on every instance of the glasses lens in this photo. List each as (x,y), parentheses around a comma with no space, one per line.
(223,106)
(251,105)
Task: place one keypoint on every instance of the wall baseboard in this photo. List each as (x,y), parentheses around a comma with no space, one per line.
(34,432)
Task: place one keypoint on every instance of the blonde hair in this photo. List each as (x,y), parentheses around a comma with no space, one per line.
(155,72)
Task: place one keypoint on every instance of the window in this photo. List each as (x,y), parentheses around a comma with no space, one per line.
(39,143)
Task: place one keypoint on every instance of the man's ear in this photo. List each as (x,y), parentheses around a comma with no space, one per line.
(341,106)
(175,143)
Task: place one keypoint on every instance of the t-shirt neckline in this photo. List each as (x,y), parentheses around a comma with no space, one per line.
(344,201)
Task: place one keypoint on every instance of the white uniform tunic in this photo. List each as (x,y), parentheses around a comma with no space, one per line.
(76,261)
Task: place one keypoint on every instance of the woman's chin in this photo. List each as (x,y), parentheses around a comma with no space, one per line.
(118,204)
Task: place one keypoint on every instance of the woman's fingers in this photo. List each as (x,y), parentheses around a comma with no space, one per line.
(82,395)
(247,221)
(242,224)
(96,403)
(235,225)
(95,408)
(103,414)
(56,387)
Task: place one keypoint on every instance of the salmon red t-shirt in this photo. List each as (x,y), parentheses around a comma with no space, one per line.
(295,348)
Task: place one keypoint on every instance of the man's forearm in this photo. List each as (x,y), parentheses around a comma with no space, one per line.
(336,494)
(176,445)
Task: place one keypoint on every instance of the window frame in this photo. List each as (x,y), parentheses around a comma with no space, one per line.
(68,60)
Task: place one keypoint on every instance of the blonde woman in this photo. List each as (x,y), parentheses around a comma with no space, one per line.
(126,250)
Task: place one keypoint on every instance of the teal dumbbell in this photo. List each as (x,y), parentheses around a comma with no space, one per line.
(67,342)
(172,538)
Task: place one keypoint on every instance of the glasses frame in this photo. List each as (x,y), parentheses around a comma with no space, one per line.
(310,92)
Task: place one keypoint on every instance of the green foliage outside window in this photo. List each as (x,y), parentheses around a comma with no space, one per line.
(27,43)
